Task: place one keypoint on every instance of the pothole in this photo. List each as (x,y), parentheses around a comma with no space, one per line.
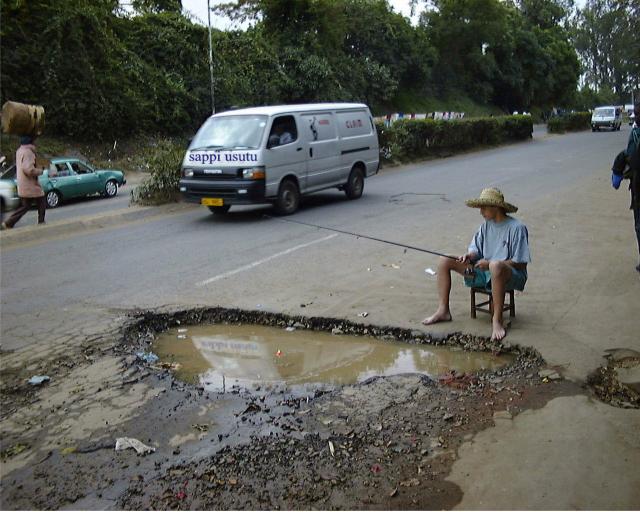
(618,383)
(220,356)
(201,345)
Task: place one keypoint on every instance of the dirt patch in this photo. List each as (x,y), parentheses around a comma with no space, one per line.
(387,443)
(618,383)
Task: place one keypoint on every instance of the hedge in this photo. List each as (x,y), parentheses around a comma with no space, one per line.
(573,122)
(405,140)
(414,139)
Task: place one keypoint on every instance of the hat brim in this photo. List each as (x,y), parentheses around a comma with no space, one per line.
(478,203)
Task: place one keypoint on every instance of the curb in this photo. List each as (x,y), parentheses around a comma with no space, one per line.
(36,233)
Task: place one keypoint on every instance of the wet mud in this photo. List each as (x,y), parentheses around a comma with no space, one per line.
(385,443)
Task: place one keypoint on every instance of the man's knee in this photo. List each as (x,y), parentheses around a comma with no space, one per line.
(499,269)
(445,263)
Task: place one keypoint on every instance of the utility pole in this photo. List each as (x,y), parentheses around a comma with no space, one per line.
(213,105)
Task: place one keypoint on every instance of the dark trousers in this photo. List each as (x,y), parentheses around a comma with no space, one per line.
(636,220)
(25,205)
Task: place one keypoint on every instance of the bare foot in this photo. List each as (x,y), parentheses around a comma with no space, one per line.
(499,332)
(438,316)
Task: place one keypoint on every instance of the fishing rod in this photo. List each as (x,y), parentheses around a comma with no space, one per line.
(420,249)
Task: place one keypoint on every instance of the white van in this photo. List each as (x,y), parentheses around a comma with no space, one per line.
(277,154)
(606,117)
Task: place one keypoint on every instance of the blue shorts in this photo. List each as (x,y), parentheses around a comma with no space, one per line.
(482,279)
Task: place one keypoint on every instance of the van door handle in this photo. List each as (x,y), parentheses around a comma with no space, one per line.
(311,152)
(299,149)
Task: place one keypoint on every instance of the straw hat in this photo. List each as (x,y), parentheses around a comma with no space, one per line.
(491,197)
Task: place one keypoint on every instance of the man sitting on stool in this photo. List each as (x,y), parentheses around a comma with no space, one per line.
(497,259)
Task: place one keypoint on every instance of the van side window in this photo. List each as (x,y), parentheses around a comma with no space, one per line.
(283,131)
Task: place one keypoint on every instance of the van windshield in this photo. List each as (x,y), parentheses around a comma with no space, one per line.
(230,132)
(605,112)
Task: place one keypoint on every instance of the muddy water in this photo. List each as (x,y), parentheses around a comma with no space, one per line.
(221,356)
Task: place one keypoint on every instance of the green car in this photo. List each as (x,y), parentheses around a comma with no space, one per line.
(67,178)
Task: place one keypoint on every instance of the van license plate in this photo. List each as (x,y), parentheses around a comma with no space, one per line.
(212,201)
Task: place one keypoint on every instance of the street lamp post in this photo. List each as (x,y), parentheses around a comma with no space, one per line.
(213,105)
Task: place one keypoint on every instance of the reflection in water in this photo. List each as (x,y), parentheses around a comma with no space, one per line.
(251,354)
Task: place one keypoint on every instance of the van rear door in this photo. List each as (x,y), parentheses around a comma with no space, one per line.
(320,134)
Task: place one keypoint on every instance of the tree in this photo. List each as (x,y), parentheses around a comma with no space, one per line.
(608,45)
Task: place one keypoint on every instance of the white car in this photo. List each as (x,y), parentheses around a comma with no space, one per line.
(8,191)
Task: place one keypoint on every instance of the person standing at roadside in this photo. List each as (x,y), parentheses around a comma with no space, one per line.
(631,156)
(29,189)
(633,152)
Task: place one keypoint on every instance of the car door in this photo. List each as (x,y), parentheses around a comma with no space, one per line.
(87,179)
(319,131)
(284,155)
(64,180)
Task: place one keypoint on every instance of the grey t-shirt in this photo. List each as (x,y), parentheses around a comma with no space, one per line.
(506,240)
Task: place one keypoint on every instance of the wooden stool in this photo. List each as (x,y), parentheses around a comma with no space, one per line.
(508,306)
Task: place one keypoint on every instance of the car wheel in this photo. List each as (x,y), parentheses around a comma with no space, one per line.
(111,188)
(288,198)
(53,199)
(355,184)
(219,210)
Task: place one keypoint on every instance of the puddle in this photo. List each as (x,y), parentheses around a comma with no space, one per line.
(221,356)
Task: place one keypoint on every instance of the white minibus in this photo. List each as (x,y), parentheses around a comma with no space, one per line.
(277,154)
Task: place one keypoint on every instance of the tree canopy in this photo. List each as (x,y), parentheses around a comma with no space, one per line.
(102,71)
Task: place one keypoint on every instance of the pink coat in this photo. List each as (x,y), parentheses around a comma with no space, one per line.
(27,173)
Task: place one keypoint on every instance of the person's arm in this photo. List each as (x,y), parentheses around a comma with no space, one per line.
(474,252)
(29,164)
(632,144)
(520,255)
(470,257)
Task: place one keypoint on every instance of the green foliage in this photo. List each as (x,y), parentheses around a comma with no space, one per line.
(576,121)
(587,98)
(164,161)
(414,139)
(605,36)
(102,73)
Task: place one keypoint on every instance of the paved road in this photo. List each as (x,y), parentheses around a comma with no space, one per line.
(167,260)
(581,297)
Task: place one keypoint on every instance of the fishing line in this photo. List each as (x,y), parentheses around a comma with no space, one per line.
(420,249)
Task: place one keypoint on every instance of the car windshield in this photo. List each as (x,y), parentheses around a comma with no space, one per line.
(604,112)
(9,173)
(230,132)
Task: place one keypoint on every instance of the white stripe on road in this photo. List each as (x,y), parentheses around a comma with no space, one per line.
(260,262)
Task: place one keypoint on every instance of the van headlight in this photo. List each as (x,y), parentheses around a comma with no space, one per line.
(187,173)
(254,173)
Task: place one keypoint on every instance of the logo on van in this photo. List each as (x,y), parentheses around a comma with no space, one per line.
(354,123)
(209,158)
(313,128)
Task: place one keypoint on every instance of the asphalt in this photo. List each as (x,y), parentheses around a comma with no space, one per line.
(581,300)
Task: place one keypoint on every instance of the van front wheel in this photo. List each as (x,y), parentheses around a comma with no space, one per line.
(355,184)
(288,198)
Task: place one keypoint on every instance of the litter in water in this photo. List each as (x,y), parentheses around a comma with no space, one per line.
(36,380)
(123,443)
(147,357)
